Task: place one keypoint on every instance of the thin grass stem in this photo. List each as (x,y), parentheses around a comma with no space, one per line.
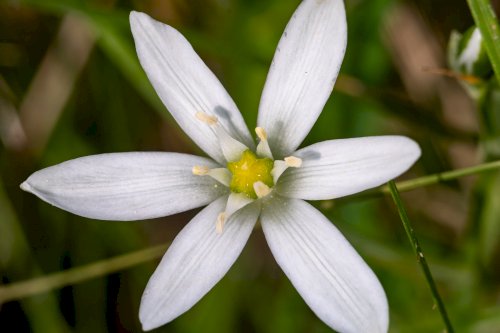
(76,275)
(420,255)
(436,178)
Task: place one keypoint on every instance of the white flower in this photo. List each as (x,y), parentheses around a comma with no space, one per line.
(267,182)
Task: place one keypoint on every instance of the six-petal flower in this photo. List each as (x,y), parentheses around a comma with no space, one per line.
(243,182)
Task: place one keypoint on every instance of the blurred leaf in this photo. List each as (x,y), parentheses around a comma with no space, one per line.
(489,222)
(489,108)
(17,263)
(112,29)
(217,312)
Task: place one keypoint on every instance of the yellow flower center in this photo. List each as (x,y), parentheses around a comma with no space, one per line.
(248,170)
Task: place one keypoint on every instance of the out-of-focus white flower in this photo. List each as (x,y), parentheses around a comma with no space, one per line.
(242,183)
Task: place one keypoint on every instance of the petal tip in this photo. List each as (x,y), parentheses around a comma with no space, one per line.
(135,16)
(408,146)
(25,186)
(146,321)
(417,150)
(138,19)
(147,326)
(413,148)
(151,313)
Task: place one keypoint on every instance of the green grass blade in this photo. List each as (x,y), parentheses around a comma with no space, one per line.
(487,22)
(76,275)
(420,255)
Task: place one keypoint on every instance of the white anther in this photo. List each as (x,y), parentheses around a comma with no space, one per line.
(200,170)
(219,224)
(261,133)
(206,118)
(293,162)
(261,189)
(263,148)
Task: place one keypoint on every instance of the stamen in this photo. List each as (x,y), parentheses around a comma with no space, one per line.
(293,162)
(200,170)
(263,148)
(231,148)
(278,169)
(261,189)
(281,166)
(222,175)
(219,224)
(206,118)
(261,133)
(235,202)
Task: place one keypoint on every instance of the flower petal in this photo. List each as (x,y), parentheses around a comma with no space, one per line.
(126,186)
(197,259)
(324,268)
(185,84)
(337,168)
(303,72)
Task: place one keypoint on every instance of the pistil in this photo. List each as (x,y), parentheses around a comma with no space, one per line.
(248,170)
(263,148)
(248,175)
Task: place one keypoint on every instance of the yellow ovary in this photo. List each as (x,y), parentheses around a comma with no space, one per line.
(248,170)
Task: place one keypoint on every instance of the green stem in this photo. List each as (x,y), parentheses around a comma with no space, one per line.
(420,255)
(442,177)
(487,22)
(45,283)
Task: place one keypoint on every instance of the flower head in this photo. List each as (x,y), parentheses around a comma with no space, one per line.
(243,182)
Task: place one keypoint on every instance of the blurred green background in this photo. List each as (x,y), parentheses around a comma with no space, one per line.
(71,85)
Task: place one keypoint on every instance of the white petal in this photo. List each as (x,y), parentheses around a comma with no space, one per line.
(336,168)
(185,84)
(126,186)
(303,72)
(197,259)
(324,268)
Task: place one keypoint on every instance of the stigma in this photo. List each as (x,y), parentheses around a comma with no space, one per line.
(247,171)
